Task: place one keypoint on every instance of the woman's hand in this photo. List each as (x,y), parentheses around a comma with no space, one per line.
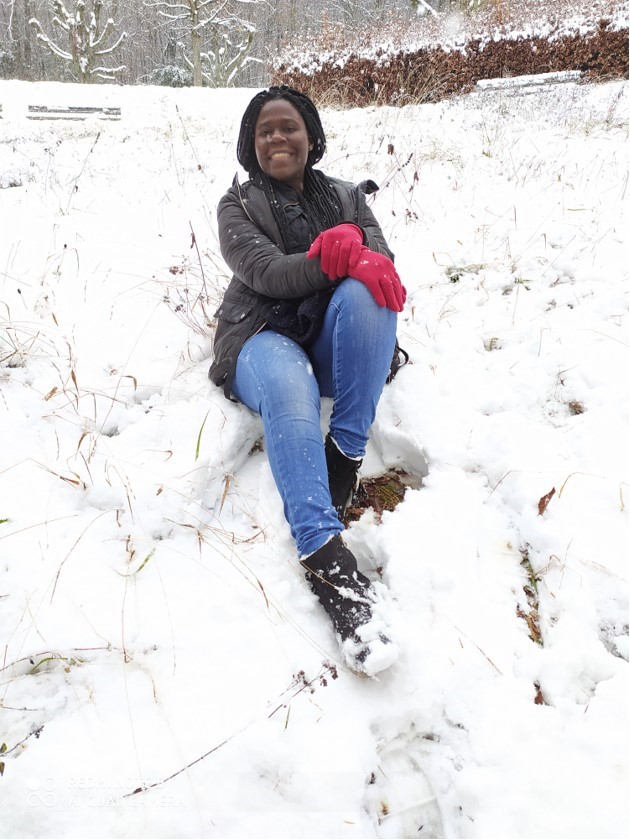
(338,248)
(342,254)
(379,275)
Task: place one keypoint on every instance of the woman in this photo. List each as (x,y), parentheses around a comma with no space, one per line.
(310,312)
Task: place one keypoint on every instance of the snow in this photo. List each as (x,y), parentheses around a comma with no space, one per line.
(158,633)
(532,80)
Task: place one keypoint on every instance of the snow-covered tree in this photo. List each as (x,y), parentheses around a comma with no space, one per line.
(226,53)
(88,43)
(216,23)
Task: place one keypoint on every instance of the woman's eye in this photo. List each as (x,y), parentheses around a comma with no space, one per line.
(268,132)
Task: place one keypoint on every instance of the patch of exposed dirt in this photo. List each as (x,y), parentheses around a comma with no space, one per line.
(381,493)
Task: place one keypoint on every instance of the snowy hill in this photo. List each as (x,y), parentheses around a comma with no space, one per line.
(158,634)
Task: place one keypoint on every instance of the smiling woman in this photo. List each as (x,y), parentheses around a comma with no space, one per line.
(282,143)
(310,312)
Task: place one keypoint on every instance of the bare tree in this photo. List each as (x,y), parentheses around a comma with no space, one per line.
(87,41)
(15,40)
(214,21)
(225,56)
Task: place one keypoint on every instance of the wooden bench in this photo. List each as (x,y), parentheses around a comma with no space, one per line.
(72,112)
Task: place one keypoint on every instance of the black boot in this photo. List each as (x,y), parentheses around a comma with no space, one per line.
(349,599)
(344,592)
(342,476)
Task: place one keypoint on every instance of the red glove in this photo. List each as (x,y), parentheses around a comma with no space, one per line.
(379,275)
(338,248)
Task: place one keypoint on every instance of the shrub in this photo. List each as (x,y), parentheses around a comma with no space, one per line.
(170,76)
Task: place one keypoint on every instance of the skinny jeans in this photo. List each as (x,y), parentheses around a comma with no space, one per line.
(284,382)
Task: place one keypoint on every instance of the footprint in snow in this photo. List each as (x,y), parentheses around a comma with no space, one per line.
(399,796)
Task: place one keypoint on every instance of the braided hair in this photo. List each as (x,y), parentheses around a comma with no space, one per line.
(318,192)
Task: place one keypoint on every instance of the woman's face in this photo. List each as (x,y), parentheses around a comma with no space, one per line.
(282,143)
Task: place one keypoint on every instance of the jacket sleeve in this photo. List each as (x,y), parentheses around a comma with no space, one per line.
(257,261)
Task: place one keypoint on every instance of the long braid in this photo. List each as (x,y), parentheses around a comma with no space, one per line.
(321,193)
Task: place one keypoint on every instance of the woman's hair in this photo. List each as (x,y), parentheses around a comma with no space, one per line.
(322,198)
(245,149)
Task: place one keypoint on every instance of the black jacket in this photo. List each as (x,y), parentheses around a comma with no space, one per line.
(252,247)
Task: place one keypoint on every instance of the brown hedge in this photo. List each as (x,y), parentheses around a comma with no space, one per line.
(431,74)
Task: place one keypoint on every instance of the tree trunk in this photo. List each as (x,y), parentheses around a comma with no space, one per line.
(195,45)
(24,41)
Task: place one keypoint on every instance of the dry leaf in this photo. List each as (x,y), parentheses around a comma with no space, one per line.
(544,501)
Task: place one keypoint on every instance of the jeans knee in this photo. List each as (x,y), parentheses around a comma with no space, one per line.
(357,298)
(358,310)
(355,293)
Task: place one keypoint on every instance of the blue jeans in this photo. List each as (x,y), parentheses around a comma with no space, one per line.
(283,382)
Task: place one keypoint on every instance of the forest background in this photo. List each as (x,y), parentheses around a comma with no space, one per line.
(250,43)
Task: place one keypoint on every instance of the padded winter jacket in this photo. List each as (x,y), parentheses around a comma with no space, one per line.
(252,247)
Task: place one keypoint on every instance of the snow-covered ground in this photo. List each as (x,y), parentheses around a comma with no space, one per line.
(157,632)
